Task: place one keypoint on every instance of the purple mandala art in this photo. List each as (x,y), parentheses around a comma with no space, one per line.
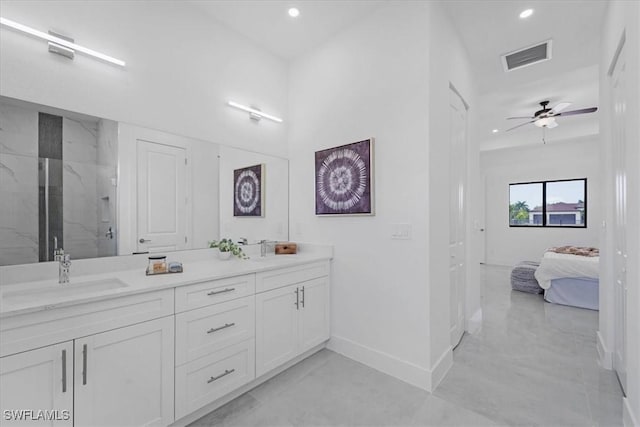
(343,179)
(248,191)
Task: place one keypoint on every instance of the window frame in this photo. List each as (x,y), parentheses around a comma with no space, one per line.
(544,205)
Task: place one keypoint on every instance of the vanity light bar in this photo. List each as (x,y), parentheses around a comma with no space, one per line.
(254,111)
(61,42)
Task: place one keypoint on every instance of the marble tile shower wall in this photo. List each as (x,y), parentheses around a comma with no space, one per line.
(18,185)
(89,173)
(80,198)
(107,160)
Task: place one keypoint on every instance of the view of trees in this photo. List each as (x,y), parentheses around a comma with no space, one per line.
(519,213)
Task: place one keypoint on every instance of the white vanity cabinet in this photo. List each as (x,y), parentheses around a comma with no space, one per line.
(292,314)
(162,356)
(215,345)
(40,379)
(122,376)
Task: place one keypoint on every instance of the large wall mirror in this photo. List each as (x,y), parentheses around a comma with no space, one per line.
(95,187)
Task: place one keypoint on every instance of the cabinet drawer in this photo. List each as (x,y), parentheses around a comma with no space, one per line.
(209,329)
(202,381)
(213,292)
(31,330)
(267,280)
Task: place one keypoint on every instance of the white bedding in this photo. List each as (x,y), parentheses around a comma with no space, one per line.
(555,266)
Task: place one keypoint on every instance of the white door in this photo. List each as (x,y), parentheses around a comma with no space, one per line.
(620,167)
(457,230)
(314,313)
(162,197)
(35,380)
(276,327)
(125,377)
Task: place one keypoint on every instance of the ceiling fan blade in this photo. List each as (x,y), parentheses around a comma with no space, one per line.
(518,118)
(522,124)
(574,112)
(558,108)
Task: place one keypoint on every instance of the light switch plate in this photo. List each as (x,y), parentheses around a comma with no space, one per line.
(401,231)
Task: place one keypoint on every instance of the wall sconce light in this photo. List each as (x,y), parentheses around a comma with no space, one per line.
(254,113)
(61,45)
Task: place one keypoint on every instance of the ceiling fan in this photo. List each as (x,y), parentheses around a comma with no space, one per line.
(546,117)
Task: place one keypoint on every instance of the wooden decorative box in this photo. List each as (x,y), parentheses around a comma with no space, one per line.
(286,248)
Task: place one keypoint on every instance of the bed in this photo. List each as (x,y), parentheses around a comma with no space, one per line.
(569,276)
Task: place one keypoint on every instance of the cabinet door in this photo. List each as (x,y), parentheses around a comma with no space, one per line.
(276,328)
(125,376)
(314,313)
(36,387)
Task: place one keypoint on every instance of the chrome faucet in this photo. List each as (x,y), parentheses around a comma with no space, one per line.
(64,266)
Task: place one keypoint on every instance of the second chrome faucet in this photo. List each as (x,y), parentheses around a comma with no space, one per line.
(64,266)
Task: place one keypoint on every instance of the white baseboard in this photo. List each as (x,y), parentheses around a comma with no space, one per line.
(441,367)
(474,323)
(628,417)
(391,365)
(605,358)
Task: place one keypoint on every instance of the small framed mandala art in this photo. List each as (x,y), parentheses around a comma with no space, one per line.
(344,179)
(248,191)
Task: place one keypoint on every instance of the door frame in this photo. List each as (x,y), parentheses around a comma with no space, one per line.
(617,315)
(466,214)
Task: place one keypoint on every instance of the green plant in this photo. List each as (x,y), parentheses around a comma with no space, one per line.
(227,245)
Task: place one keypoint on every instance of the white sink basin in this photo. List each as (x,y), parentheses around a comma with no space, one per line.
(62,291)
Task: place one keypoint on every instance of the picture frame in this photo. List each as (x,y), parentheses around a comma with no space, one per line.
(344,179)
(248,191)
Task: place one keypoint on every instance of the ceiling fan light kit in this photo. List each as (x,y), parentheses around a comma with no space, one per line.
(546,117)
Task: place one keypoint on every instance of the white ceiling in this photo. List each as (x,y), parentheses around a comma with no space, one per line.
(267,23)
(487,28)
(491,28)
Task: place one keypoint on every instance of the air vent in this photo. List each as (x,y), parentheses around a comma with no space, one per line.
(527,56)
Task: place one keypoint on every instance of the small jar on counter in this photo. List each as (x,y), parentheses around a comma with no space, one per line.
(157,264)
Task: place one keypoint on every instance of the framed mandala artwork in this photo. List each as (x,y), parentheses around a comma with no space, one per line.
(248,191)
(344,179)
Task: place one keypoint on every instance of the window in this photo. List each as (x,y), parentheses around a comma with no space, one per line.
(548,204)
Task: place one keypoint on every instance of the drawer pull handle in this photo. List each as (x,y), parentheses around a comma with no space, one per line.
(84,364)
(302,299)
(224,374)
(222,291)
(219,328)
(297,303)
(64,371)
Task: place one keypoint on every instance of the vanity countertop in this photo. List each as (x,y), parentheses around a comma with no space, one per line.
(28,297)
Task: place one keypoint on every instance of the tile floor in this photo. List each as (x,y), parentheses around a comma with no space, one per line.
(532,364)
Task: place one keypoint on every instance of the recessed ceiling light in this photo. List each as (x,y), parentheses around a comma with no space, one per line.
(495,131)
(526,13)
(293,12)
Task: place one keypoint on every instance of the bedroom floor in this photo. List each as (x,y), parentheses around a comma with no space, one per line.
(532,363)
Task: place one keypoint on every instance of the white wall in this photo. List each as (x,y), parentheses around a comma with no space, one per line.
(373,80)
(622,17)
(370,81)
(181,69)
(561,160)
